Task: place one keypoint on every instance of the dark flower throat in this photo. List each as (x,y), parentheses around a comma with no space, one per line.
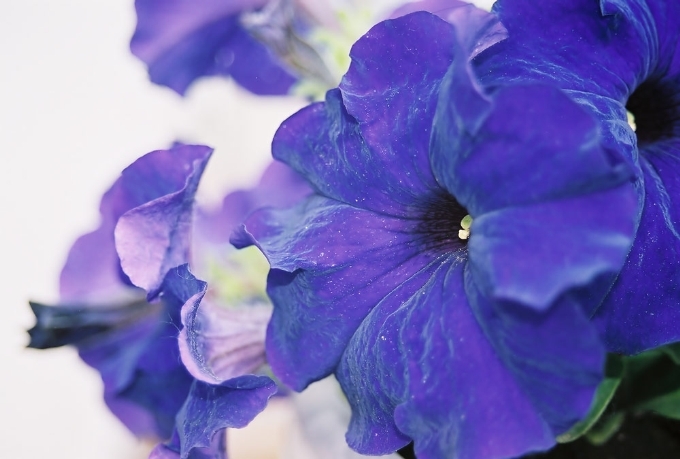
(656,108)
(439,220)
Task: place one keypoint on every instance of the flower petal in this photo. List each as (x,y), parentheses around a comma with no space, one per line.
(391,90)
(534,254)
(279,187)
(574,44)
(421,359)
(328,271)
(642,310)
(220,342)
(92,271)
(141,365)
(233,403)
(155,235)
(528,126)
(336,145)
(476,29)
(182,40)
(555,356)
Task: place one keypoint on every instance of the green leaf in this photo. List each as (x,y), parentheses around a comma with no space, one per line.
(667,405)
(606,428)
(673,351)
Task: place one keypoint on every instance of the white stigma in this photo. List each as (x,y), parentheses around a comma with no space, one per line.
(631,120)
(465,224)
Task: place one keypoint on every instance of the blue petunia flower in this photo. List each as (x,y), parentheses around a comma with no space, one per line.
(441,267)
(614,56)
(255,42)
(109,320)
(267,46)
(133,342)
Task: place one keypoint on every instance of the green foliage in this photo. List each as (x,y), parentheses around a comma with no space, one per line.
(633,385)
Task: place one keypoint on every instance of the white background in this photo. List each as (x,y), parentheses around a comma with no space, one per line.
(75,109)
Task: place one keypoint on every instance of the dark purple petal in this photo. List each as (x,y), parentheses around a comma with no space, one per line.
(573,45)
(324,143)
(182,40)
(140,364)
(391,91)
(112,340)
(421,358)
(476,29)
(219,342)
(92,273)
(556,356)
(373,371)
(233,403)
(155,235)
(612,55)
(643,308)
(337,143)
(253,66)
(528,125)
(328,271)
(533,254)
(131,385)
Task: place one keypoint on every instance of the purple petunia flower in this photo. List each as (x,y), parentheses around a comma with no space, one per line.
(255,42)
(222,327)
(611,56)
(133,342)
(470,339)
(127,339)
(266,46)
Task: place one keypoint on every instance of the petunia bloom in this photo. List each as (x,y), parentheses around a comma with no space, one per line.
(133,342)
(440,270)
(221,337)
(182,40)
(614,57)
(117,332)
(269,47)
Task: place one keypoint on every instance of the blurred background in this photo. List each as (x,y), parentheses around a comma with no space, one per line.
(75,109)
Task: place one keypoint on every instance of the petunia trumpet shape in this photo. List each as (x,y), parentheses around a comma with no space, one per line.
(444,267)
(615,58)
(221,341)
(127,339)
(182,40)
(132,340)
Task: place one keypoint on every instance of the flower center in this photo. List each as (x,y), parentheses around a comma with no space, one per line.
(656,109)
(443,224)
(237,277)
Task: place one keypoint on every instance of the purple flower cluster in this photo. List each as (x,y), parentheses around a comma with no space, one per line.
(131,336)
(486,210)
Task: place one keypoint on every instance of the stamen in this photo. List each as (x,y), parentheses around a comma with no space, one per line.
(631,120)
(465,224)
